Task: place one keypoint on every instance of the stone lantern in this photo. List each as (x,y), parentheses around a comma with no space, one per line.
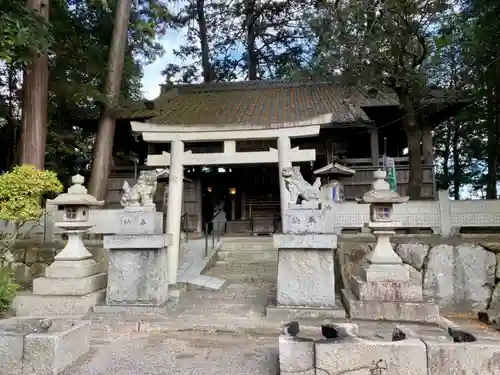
(384,289)
(381,199)
(76,203)
(73,283)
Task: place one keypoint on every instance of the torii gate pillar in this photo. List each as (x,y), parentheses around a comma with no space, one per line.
(284,161)
(174,208)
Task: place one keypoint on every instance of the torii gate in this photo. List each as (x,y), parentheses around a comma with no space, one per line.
(229,134)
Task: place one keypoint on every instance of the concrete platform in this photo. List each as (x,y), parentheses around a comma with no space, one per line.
(29,304)
(398,311)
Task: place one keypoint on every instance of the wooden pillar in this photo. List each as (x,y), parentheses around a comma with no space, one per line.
(243,202)
(374,145)
(427,151)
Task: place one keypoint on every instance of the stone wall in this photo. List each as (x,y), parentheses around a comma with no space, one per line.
(32,257)
(461,274)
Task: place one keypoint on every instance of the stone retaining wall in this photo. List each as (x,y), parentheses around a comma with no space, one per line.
(462,275)
(33,257)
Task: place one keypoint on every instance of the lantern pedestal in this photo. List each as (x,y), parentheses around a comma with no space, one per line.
(385,288)
(73,284)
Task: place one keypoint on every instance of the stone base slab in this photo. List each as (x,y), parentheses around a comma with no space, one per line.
(69,287)
(287,313)
(29,304)
(305,241)
(137,241)
(72,269)
(385,272)
(131,309)
(23,351)
(398,311)
(386,290)
(451,358)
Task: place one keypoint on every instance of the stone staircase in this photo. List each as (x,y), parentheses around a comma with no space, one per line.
(250,249)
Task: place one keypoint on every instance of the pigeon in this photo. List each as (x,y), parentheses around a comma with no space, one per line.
(291,329)
(460,336)
(329,332)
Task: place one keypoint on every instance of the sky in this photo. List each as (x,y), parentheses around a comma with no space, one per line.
(152,73)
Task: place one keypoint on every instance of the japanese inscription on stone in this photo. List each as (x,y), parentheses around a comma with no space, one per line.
(132,222)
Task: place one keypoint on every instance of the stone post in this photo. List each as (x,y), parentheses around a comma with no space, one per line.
(174,208)
(284,161)
(444,204)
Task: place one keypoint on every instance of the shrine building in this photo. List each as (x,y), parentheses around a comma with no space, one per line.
(230,139)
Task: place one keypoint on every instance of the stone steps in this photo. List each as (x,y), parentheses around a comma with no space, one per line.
(247,249)
(247,243)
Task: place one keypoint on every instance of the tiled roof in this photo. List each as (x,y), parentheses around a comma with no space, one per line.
(264,102)
(258,102)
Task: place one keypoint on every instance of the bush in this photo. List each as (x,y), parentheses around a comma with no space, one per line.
(21,192)
(8,288)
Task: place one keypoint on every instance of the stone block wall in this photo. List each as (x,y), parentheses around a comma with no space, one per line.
(403,351)
(461,275)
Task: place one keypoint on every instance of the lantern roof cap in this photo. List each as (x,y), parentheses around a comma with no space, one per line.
(76,196)
(381,191)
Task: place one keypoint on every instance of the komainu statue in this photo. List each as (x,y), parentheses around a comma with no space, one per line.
(298,187)
(142,193)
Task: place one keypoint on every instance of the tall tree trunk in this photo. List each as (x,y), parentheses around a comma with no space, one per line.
(457,171)
(34,106)
(414,137)
(491,182)
(446,155)
(103,147)
(205,52)
(251,31)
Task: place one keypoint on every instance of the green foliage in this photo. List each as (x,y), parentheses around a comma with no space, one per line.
(21,191)
(22,32)
(8,288)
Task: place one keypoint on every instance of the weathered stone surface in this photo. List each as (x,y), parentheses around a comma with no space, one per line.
(350,256)
(461,278)
(34,346)
(305,241)
(415,275)
(481,357)
(366,357)
(304,221)
(19,255)
(136,241)
(306,278)
(296,355)
(11,352)
(399,311)
(38,269)
(438,277)
(474,277)
(495,299)
(22,273)
(386,290)
(413,254)
(69,286)
(497,272)
(491,246)
(137,277)
(385,272)
(29,304)
(52,352)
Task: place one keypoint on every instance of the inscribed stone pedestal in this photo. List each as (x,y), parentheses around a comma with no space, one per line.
(306,278)
(137,277)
